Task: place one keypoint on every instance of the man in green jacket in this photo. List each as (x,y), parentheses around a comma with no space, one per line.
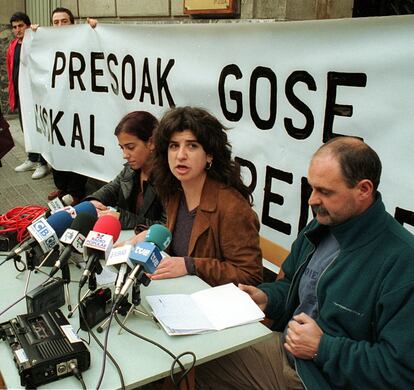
(343,311)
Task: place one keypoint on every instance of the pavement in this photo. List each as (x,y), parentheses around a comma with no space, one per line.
(18,188)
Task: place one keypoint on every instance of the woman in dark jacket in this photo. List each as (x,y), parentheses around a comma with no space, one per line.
(131,196)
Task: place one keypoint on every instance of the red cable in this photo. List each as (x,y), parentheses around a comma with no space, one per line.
(19,218)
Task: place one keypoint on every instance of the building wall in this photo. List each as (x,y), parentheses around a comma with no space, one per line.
(134,11)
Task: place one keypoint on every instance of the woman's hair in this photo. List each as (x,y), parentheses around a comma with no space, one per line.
(139,123)
(210,133)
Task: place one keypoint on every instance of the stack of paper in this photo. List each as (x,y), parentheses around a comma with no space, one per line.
(204,311)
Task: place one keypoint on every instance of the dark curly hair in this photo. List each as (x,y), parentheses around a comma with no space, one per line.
(210,133)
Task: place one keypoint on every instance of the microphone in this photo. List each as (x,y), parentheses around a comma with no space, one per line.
(74,238)
(146,255)
(83,207)
(54,205)
(119,259)
(44,233)
(98,244)
(42,230)
(67,200)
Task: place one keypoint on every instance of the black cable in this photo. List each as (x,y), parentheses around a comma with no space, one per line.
(17,260)
(89,337)
(176,358)
(14,303)
(76,372)
(185,373)
(101,375)
(20,299)
(91,333)
(82,383)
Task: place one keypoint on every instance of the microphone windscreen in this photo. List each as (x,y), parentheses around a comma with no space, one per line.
(59,222)
(67,200)
(108,224)
(86,207)
(83,223)
(159,235)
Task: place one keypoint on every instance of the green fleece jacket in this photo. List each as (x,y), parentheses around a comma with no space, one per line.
(365,301)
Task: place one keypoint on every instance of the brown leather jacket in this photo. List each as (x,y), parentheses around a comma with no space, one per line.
(225,236)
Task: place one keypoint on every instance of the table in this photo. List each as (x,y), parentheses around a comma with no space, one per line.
(140,361)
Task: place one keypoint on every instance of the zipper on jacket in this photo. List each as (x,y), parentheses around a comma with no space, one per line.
(297,372)
(297,271)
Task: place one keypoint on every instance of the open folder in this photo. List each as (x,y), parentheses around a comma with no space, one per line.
(207,310)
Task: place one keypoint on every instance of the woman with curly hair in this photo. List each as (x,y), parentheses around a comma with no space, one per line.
(215,231)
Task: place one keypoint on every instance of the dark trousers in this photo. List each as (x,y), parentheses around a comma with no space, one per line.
(70,182)
(33,157)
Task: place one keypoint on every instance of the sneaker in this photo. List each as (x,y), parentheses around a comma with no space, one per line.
(54,194)
(26,166)
(41,171)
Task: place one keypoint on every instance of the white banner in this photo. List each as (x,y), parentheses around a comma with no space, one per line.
(282,89)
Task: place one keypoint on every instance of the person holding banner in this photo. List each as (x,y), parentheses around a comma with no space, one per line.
(131,197)
(343,311)
(67,182)
(215,230)
(20,22)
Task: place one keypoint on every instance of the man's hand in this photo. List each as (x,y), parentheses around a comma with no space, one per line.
(258,296)
(303,337)
(170,267)
(92,22)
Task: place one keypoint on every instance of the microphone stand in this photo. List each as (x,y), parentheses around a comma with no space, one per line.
(66,281)
(52,251)
(123,304)
(30,263)
(136,299)
(123,307)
